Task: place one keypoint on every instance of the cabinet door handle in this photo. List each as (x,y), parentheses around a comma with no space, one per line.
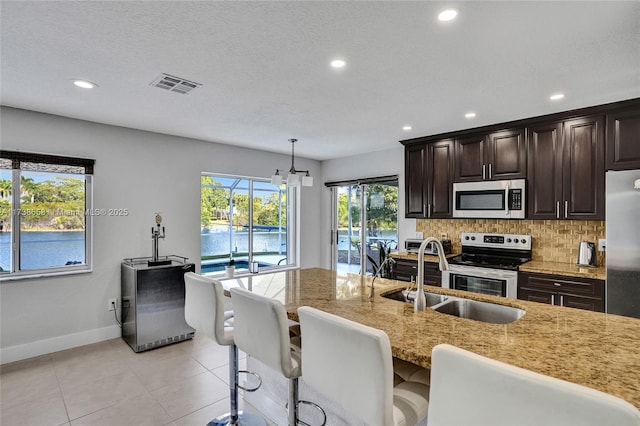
(424,210)
(553,299)
(557,209)
(429,210)
(489,170)
(566,209)
(561,300)
(483,172)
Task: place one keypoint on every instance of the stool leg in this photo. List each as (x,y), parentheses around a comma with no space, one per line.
(233,383)
(235,417)
(293,402)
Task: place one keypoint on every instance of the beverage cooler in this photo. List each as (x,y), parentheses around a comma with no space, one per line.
(153,302)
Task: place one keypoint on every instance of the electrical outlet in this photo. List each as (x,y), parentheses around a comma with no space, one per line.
(112,304)
(419,235)
(602,244)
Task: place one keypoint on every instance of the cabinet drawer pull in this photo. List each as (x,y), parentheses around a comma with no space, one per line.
(557,284)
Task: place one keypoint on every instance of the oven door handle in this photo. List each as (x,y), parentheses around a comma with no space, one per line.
(470,271)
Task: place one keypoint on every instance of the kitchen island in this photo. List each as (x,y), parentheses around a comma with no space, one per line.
(592,349)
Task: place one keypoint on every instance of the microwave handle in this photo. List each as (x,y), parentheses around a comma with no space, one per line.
(506,200)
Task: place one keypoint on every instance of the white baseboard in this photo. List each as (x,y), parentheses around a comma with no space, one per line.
(68,341)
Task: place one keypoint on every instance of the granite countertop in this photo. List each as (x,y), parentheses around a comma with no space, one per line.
(597,350)
(567,269)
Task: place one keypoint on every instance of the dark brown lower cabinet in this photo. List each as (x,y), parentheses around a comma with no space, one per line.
(406,270)
(571,292)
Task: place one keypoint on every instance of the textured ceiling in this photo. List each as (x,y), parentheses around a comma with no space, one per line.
(265,75)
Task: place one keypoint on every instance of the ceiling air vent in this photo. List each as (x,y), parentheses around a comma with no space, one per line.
(174,84)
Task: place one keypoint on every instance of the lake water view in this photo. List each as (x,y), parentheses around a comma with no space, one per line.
(217,242)
(41,250)
(55,248)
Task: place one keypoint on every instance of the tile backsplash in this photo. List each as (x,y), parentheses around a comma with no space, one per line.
(553,240)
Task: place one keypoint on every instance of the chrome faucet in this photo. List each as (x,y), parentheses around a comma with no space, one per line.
(387,260)
(420,303)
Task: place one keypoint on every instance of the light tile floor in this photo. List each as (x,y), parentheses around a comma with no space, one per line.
(108,384)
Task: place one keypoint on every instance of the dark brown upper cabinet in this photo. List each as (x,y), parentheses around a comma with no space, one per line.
(623,139)
(566,169)
(498,155)
(544,183)
(429,180)
(414,180)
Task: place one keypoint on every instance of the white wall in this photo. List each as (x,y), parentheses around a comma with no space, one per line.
(146,173)
(373,164)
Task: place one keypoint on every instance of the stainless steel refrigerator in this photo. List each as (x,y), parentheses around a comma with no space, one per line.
(623,243)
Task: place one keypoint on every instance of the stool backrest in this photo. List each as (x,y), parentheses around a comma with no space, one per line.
(348,362)
(261,330)
(204,307)
(467,388)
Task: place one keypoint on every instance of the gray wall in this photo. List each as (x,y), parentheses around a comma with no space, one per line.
(146,173)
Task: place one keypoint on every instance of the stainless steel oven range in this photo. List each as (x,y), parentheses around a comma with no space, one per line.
(488,264)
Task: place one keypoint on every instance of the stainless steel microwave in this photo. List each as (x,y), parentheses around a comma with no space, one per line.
(497,199)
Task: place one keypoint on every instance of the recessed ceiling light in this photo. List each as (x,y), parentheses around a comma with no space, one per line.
(556,96)
(470,115)
(85,84)
(447,15)
(406,128)
(338,63)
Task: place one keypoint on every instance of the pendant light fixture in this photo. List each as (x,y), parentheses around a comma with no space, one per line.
(294,178)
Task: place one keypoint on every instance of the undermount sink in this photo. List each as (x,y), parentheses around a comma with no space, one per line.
(480,311)
(409,297)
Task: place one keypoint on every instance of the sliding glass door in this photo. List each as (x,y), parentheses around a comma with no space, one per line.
(364,224)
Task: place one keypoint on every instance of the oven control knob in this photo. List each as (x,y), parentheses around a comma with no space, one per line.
(508,240)
(473,238)
(523,241)
(466,238)
(515,240)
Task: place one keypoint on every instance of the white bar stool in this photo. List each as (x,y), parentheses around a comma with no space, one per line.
(467,388)
(261,330)
(352,364)
(204,311)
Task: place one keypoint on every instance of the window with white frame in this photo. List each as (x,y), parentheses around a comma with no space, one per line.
(247,221)
(45,214)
